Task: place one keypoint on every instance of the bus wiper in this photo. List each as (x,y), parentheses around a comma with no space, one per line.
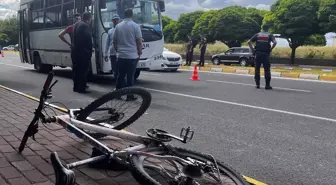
(152,29)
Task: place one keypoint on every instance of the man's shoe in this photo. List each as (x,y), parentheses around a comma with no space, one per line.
(258,86)
(268,87)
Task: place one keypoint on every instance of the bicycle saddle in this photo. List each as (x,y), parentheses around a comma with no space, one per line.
(63,175)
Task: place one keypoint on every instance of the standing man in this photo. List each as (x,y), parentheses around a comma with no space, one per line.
(188,53)
(82,51)
(202,47)
(69,30)
(262,53)
(109,48)
(127,40)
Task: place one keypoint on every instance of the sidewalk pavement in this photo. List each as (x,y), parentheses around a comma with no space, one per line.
(33,166)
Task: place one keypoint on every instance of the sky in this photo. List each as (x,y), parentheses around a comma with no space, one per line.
(175,7)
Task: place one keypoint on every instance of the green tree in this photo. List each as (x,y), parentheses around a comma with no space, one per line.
(3,39)
(327,16)
(232,27)
(165,21)
(316,40)
(9,28)
(201,27)
(256,15)
(169,32)
(185,25)
(294,20)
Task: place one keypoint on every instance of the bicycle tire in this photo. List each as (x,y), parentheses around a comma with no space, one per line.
(145,95)
(143,178)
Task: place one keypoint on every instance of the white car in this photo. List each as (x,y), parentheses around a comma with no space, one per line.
(170,61)
(10,47)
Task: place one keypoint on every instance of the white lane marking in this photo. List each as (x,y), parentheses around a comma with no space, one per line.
(17,66)
(248,75)
(153,74)
(299,90)
(245,105)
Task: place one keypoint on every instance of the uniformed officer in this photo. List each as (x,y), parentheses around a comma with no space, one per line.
(202,48)
(262,53)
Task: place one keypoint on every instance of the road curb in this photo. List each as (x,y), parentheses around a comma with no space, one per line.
(248,179)
(309,76)
(322,76)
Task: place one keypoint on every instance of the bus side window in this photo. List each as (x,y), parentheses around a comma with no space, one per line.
(52,14)
(68,13)
(37,15)
(82,6)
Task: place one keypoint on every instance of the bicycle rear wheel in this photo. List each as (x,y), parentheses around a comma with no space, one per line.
(147,174)
(114,116)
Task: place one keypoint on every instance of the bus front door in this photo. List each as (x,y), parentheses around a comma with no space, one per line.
(24,36)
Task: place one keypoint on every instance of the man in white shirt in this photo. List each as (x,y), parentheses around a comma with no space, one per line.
(109,48)
(127,40)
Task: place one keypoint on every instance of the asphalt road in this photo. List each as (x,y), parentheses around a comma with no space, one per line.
(281,137)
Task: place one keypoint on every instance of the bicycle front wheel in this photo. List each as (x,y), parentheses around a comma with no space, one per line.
(115,116)
(150,171)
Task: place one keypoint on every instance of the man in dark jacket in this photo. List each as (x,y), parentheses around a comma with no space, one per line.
(202,48)
(190,50)
(262,53)
(82,51)
(68,30)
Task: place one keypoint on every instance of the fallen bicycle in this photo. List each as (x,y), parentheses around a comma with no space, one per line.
(178,166)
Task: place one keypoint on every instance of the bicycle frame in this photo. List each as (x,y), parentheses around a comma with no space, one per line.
(75,127)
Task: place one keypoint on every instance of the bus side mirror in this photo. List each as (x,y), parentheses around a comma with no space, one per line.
(162,6)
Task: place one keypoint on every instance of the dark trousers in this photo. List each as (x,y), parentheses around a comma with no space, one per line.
(189,57)
(126,71)
(262,58)
(201,63)
(113,59)
(82,65)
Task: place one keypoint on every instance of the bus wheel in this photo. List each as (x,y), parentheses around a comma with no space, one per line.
(39,67)
(137,74)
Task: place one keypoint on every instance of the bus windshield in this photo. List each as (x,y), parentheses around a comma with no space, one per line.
(145,12)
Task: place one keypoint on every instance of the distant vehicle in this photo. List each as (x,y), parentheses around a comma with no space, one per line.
(235,55)
(10,47)
(170,61)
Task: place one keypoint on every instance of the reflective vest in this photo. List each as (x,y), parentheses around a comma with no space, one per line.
(263,42)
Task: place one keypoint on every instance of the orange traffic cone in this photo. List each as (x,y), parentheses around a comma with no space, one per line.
(194,76)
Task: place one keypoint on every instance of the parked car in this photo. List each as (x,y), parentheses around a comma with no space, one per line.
(169,61)
(235,55)
(10,47)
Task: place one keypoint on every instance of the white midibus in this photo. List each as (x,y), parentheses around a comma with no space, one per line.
(40,22)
